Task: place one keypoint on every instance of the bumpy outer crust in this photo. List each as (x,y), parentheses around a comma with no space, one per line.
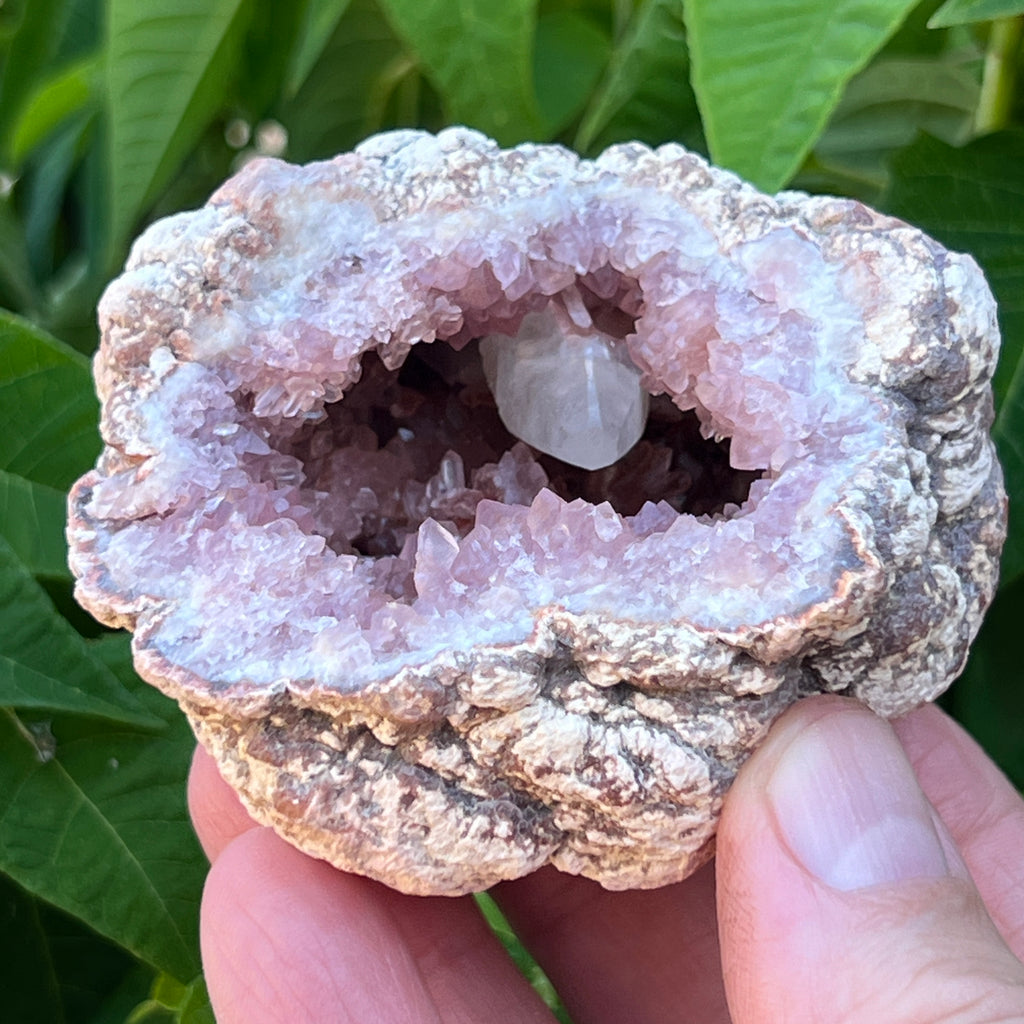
(600,737)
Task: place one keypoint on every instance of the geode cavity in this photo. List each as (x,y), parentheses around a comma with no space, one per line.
(427,652)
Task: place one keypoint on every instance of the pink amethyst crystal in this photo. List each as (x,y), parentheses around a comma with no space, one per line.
(427,652)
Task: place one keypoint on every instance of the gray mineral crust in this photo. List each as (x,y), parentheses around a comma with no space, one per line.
(432,623)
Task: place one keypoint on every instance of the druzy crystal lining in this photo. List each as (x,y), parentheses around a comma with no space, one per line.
(292,528)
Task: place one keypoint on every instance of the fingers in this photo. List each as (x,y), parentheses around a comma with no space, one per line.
(217,814)
(288,938)
(979,806)
(623,956)
(841,893)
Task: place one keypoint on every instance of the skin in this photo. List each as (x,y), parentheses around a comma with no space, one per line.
(865,872)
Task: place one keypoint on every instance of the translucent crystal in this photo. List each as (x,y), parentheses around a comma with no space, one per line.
(572,395)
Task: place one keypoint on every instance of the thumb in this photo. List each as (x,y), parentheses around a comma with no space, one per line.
(841,895)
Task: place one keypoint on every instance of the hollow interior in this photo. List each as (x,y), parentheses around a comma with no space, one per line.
(426,440)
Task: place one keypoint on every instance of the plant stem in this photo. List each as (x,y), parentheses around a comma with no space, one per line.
(997,84)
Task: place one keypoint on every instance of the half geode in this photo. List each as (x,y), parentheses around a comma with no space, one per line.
(429,653)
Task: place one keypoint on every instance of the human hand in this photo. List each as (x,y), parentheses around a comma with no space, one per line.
(844,894)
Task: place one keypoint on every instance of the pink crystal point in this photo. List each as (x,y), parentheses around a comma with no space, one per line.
(426,651)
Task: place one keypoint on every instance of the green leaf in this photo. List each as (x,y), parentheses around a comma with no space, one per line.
(53,970)
(46,664)
(48,410)
(769,73)
(972,200)
(32,522)
(48,173)
(17,286)
(478,55)
(56,99)
(272,31)
(964,12)
(887,106)
(94,821)
(989,697)
(48,418)
(32,47)
(646,92)
(569,55)
(171,1002)
(331,112)
(322,17)
(168,64)
(31,989)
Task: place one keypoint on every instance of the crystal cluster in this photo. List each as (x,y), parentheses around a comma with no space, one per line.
(483,508)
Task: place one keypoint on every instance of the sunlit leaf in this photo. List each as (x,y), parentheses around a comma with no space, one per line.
(322,17)
(167,65)
(171,1002)
(55,100)
(478,54)
(646,92)
(93,820)
(972,200)
(769,73)
(32,47)
(963,12)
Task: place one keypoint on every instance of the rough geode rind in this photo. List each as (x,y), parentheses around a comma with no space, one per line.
(553,681)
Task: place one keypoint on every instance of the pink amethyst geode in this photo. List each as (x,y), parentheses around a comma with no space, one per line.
(434,654)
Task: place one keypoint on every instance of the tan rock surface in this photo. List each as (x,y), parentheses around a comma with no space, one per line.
(427,653)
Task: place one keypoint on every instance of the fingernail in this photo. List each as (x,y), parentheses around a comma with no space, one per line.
(849,808)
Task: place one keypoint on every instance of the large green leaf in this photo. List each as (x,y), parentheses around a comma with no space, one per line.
(17,287)
(32,523)
(884,109)
(321,20)
(168,63)
(35,42)
(570,53)
(972,199)
(48,410)
(646,92)
(93,820)
(331,112)
(769,73)
(31,988)
(48,420)
(55,99)
(478,54)
(53,970)
(44,663)
(48,172)
(964,12)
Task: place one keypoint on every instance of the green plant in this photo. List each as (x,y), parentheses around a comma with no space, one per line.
(114,112)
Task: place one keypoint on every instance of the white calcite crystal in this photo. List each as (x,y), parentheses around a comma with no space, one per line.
(573,394)
(441,653)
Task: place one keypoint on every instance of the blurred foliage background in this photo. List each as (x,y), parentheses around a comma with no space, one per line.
(115,112)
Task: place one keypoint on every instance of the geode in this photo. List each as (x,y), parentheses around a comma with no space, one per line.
(440,654)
